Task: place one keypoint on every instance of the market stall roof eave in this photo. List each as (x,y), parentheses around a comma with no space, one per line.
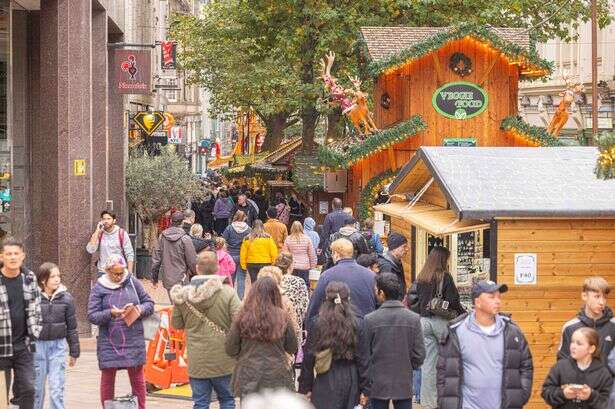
(488,183)
(433,219)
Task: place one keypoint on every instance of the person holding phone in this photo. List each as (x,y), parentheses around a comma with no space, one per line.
(581,381)
(109,239)
(118,302)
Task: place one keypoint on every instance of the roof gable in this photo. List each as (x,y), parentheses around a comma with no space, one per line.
(483,183)
(391,47)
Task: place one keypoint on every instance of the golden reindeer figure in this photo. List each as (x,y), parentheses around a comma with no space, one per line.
(561,114)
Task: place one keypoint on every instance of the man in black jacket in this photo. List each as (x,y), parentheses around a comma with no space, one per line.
(594,314)
(485,361)
(349,232)
(390,262)
(246,207)
(395,346)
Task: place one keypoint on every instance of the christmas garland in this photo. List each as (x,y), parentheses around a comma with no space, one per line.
(511,50)
(343,154)
(605,164)
(534,134)
(370,193)
(454,64)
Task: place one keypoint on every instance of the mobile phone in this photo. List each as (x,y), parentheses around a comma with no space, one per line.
(575,387)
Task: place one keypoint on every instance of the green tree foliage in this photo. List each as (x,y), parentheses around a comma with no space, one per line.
(155,184)
(264,54)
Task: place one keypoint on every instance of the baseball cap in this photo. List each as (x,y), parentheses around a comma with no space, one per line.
(177,217)
(487,286)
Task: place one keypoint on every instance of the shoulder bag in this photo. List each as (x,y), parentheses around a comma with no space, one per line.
(323,361)
(215,328)
(438,306)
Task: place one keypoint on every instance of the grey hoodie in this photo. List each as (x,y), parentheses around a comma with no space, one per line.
(174,257)
(234,235)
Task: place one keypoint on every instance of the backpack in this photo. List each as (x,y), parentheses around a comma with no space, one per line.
(369,238)
(100,236)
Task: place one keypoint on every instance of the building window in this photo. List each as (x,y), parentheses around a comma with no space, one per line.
(172,94)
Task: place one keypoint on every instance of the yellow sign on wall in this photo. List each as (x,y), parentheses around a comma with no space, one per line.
(79,167)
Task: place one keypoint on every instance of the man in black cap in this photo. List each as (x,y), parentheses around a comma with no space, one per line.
(390,262)
(175,255)
(488,354)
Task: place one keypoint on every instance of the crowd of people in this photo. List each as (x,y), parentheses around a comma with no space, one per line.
(241,291)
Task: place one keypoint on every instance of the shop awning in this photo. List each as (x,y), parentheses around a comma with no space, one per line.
(434,219)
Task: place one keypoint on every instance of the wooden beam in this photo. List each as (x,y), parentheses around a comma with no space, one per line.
(392,158)
(486,74)
(439,73)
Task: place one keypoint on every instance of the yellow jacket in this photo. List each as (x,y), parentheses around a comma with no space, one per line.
(261,250)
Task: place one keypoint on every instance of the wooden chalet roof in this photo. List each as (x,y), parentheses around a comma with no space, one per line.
(485,183)
(390,47)
(269,162)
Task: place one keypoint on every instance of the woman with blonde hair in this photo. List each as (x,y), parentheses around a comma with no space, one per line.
(304,255)
(257,250)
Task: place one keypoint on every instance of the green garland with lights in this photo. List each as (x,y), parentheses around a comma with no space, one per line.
(482,33)
(370,192)
(533,134)
(605,164)
(342,154)
(306,173)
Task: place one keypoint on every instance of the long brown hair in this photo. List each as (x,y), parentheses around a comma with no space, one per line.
(262,317)
(435,267)
(335,326)
(258,231)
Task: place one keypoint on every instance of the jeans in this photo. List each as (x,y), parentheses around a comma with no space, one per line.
(49,367)
(239,278)
(254,268)
(201,392)
(22,366)
(137,383)
(397,404)
(416,385)
(434,330)
(303,274)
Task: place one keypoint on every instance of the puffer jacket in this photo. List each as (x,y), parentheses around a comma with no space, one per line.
(261,250)
(219,303)
(518,368)
(118,345)
(175,257)
(59,319)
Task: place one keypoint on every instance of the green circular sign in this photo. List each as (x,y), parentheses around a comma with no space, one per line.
(460,100)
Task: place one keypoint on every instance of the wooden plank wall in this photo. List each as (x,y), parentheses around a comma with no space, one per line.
(568,252)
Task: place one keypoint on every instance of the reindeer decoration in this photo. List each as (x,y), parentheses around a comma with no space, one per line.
(352,101)
(561,114)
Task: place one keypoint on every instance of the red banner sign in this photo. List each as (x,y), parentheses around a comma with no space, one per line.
(133,71)
(168,55)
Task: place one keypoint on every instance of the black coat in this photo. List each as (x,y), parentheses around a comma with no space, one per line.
(426,291)
(395,348)
(604,325)
(566,371)
(248,209)
(516,379)
(389,264)
(59,320)
(340,387)
(355,237)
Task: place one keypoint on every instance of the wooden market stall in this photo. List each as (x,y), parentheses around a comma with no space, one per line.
(433,87)
(536,219)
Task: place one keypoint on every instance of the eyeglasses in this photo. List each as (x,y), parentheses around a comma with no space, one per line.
(116,273)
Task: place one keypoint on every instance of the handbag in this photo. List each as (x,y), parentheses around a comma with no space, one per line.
(439,307)
(323,361)
(151,323)
(123,402)
(215,328)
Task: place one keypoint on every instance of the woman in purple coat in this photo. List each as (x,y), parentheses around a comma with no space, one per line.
(118,302)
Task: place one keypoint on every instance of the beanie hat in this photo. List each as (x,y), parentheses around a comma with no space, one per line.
(396,240)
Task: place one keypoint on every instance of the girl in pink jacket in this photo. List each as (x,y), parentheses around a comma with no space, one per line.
(226,264)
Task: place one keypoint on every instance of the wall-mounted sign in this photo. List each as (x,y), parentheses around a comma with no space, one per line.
(168,55)
(132,71)
(149,121)
(460,100)
(79,167)
(176,135)
(525,268)
(459,142)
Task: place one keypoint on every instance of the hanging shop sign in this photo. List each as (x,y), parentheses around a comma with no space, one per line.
(168,50)
(176,135)
(459,142)
(460,100)
(149,121)
(133,73)
(79,167)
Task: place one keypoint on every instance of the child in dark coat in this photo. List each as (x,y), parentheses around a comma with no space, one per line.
(581,381)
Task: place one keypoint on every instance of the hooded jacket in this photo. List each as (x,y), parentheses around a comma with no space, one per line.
(605,326)
(308,229)
(174,257)
(118,345)
(248,209)
(516,365)
(234,235)
(205,345)
(566,371)
(59,321)
(354,236)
